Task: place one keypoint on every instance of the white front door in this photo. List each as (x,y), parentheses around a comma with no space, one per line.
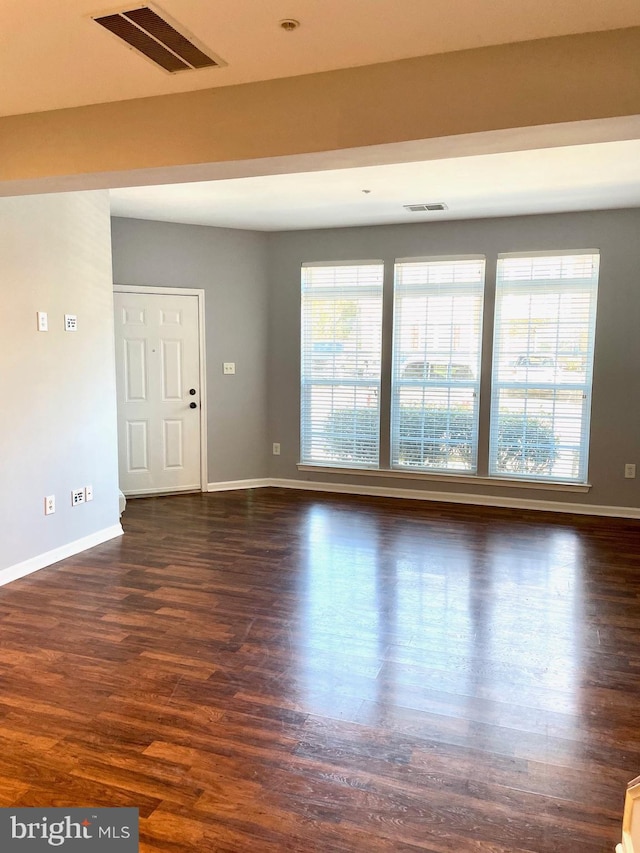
(158,386)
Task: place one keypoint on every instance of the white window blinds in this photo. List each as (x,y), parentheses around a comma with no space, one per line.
(436,363)
(340,365)
(542,366)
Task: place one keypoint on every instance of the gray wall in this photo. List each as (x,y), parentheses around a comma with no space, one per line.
(58,430)
(231,267)
(615,428)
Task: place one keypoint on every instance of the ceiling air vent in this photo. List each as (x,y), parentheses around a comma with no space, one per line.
(422,208)
(147,32)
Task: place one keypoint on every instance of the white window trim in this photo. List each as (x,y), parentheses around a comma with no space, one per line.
(450,288)
(548,485)
(308,382)
(495,480)
(585,388)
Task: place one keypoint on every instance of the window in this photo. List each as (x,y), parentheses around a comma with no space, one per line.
(436,364)
(542,366)
(340,365)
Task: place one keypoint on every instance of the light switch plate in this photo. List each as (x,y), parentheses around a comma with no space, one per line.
(228,367)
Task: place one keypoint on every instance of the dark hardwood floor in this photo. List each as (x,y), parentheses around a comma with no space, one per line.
(269,671)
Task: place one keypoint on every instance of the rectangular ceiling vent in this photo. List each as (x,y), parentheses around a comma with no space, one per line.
(422,208)
(145,31)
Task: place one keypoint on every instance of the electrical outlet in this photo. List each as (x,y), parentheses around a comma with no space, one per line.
(43,321)
(49,504)
(88,493)
(228,367)
(630,470)
(77,497)
(70,323)
(276,448)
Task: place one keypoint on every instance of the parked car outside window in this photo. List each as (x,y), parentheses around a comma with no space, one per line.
(424,370)
(532,368)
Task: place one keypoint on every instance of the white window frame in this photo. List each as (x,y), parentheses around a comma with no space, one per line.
(483,477)
(308,381)
(499,385)
(467,289)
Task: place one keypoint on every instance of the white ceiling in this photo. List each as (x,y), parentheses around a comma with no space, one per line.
(579,177)
(52,55)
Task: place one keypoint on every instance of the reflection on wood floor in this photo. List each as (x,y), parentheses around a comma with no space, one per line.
(266,671)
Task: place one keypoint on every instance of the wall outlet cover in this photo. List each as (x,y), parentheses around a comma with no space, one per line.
(43,321)
(50,505)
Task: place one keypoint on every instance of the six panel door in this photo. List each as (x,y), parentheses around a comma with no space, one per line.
(158,387)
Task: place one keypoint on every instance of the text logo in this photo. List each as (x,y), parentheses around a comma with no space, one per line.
(74,830)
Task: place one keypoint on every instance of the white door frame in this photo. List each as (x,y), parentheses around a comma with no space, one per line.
(187,291)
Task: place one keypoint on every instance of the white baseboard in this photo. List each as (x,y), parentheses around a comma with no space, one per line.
(27,567)
(460,498)
(442,497)
(231,485)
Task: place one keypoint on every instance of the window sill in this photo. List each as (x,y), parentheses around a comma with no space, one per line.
(464,479)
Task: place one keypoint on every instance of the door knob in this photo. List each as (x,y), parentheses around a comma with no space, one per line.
(192,391)
(193,405)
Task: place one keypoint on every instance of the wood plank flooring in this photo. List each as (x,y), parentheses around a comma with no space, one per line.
(267,671)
